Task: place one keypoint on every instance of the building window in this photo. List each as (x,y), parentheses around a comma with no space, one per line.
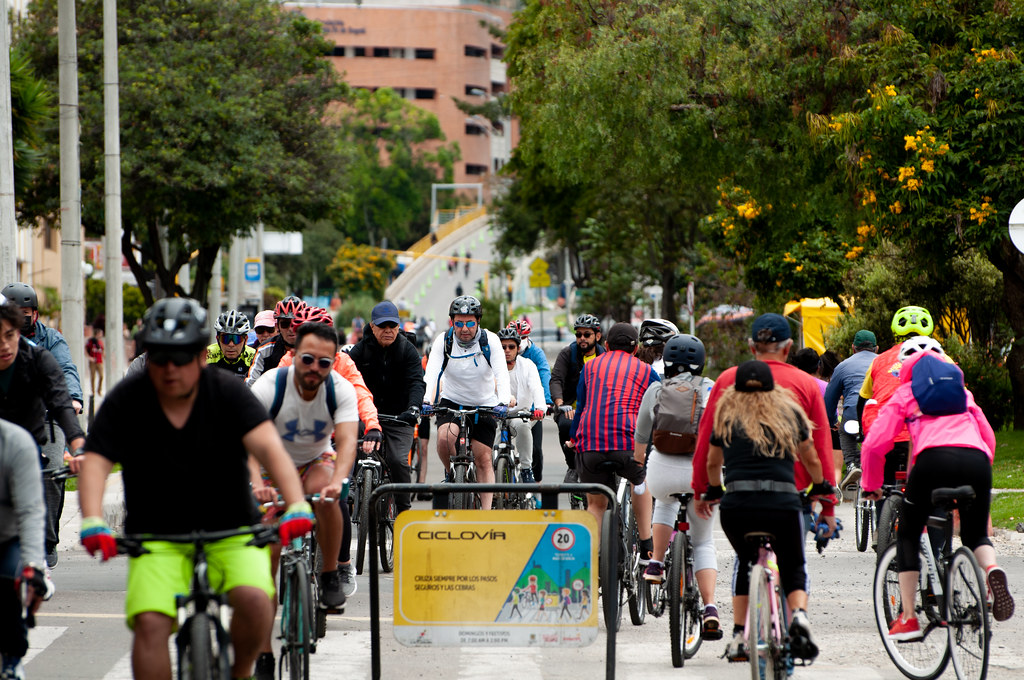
(474,51)
(425,93)
(424,53)
(497,51)
(338,51)
(358,51)
(475,169)
(475,129)
(475,91)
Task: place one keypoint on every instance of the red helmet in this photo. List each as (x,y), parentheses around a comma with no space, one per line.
(521,326)
(287,308)
(312,315)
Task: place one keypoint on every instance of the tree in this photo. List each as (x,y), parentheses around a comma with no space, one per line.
(31,112)
(361,269)
(223,110)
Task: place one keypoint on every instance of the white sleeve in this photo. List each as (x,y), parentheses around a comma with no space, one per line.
(432,373)
(265,386)
(499,369)
(345,395)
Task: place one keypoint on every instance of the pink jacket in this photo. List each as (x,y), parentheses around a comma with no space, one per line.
(969,429)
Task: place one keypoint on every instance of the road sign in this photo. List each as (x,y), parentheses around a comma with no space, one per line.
(542,280)
(495,578)
(1017,226)
(252,269)
(539,266)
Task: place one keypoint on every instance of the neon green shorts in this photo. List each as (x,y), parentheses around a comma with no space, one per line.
(154,579)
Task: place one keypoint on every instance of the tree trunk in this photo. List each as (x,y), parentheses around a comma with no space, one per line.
(668,292)
(204,273)
(140,274)
(1011,263)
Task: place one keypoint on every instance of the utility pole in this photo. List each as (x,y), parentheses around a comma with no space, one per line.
(115,359)
(8,224)
(72,302)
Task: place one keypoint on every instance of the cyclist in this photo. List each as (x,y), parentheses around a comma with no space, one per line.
(24,296)
(230,353)
(948,451)
(22,532)
(304,419)
(684,357)
(534,353)
(608,399)
(390,364)
(846,383)
(525,384)
(770,342)
(565,378)
(757,433)
(263,326)
(183,436)
(470,359)
(654,333)
(269,354)
(882,379)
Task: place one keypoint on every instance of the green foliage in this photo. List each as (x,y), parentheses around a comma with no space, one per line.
(271,296)
(359,304)
(320,241)
(133,304)
(1008,462)
(986,377)
(361,269)
(32,110)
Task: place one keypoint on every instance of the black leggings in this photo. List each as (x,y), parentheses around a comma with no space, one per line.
(564,425)
(786,526)
(944,466)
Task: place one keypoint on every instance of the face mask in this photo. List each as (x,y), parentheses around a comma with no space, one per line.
(28,328)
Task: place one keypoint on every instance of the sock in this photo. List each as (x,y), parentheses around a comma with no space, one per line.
(639,489)
(737,629)
(646,548)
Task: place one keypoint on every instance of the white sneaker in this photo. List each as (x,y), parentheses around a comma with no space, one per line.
(348,578)
(50,587)
(12,672)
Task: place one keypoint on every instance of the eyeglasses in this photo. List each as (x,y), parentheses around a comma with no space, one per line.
(284,323)
(178,357)
(260,330)
(388,325)
(322,363)
(467,324)
(584,335)
(232,338)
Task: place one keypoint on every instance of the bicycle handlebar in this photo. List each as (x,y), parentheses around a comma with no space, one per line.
(310,498)
(132,544)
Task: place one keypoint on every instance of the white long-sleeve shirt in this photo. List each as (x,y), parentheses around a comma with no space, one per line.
(467,379)
(525,385)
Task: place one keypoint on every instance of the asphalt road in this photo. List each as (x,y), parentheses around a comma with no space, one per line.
(81,633)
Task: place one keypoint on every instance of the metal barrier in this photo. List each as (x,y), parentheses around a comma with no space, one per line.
(549,495)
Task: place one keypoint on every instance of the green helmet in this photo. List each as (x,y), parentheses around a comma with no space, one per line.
(912,321)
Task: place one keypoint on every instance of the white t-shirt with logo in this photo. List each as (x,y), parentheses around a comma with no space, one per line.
(306,426)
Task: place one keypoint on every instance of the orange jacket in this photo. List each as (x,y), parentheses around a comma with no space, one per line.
(344,365)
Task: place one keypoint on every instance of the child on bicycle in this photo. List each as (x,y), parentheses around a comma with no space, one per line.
(946,451)
(758,433)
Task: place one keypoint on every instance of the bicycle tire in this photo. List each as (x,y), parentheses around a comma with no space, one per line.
(195,649)
(608,572)
(888,521)
(633,575)
(315,569)
(676,602)
(921,660)
(297,624)
(863,514)
(968,617)
(472,498)
(693,625)
(387,512)
(460,499)
(761,647)
(502,475)
(363,535)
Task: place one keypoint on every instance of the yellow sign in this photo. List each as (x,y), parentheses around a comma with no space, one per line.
(540,281)
(495,578)
(539,266)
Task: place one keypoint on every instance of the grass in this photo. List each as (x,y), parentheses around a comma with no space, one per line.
(72,483)
(1008,510)
(1008,466)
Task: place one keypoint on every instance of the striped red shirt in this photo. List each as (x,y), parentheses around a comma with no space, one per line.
(608,400)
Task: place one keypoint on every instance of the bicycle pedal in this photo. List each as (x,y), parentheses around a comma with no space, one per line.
(333,610)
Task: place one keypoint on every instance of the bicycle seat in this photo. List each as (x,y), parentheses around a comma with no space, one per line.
(683,498)
(947,495)
(759,536)
(609,466)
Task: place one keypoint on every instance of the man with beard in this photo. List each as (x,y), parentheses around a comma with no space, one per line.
(565,377)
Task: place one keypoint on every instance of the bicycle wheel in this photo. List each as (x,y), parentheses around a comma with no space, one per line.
(503,475)
(297,624)
(657,593)
(365,489)
(970,628)
(923,659)
(676,601)
(633,575)
(694,622)
(762,647)
(387,510)
(472,498)
(195,649)
(863,514)
(460,499)
(888,521)
(608,572)
(316,567)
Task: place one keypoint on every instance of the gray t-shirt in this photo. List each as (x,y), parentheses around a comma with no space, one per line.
(21,492)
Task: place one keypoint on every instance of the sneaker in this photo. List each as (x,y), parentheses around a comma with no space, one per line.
(332,593)
(265,666)
(526,476)
(51,589)
(905,630)
(655,572)
(999,593)
(712,627)
(851,478)
(348,578)
(571,477)
(736,650)
(800,640)
(51,558)
(12,671)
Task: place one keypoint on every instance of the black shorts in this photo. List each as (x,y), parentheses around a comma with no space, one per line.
(423,431)
(591,471)
(482,427)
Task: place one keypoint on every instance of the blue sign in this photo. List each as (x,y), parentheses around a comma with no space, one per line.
(252,270)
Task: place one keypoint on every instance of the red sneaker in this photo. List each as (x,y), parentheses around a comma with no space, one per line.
(905,630)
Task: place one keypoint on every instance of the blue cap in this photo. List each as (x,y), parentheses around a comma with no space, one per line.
(770,328)
(385,312)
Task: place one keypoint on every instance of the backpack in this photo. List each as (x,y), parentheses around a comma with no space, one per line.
(938,387)
(677,414)
(449,339)
(281,384)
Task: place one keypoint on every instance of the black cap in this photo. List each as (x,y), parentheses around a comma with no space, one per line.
(622,336)
(754,376)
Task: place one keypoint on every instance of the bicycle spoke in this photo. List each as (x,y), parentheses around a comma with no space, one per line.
(968,617)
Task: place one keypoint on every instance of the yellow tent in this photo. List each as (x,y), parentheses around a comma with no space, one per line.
(815,315)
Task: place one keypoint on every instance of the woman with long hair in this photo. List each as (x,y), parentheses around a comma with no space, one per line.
(758,433)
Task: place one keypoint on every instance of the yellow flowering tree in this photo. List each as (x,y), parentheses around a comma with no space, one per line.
(361,269)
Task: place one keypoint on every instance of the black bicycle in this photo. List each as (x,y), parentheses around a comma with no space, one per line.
(463,462)
(372,471)
(506,465)
(889,515)
(203,643)
(622,583)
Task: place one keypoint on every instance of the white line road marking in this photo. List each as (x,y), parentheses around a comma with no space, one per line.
(39,638)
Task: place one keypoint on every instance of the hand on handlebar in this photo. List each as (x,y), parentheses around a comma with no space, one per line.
(426,409)
(264,494)
(501,410)
(97,538)
(538,414)
(372,440)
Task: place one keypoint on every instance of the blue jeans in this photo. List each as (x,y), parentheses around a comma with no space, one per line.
(13,631)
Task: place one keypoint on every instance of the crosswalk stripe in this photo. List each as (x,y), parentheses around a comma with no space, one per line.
(41,637)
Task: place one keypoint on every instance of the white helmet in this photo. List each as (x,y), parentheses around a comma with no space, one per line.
(919,343)
(656,332)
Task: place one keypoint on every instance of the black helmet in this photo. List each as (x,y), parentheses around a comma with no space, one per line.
(21,294)
(685,352)
(465,304)
(509,334)
(656,332)
(175,322)
(587,321)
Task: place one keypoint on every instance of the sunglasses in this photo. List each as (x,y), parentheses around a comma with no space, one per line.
(162,357)
(467,324)
(387,325)
(284,323)
(584,335)
(322,363)
(232,338)
(260,330)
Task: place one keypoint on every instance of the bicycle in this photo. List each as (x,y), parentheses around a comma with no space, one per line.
(372,471)
(889,515)
(951,607)
(203,641)
(622,583)
(463,465)
(506,465)
(679,591)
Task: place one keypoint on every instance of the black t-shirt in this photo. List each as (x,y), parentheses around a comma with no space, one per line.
(742,463)
(181,480)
